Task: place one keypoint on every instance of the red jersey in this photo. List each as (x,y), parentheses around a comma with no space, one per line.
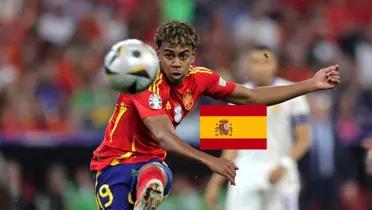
(127,139)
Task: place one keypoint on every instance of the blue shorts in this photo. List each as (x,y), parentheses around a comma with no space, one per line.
(115,186)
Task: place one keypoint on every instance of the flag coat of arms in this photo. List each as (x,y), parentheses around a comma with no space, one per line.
(233,127)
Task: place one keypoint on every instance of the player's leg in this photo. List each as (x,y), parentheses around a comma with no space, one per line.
(153,183)
(276,200)
(111,192)
(241,198)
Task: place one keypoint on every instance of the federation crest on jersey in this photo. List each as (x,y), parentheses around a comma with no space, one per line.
(187,100)
(223,128)
(155,101)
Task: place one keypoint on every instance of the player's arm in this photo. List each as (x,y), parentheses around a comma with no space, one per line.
(162,129)
(326,78)
(215,183)
(301,130)
(302,137)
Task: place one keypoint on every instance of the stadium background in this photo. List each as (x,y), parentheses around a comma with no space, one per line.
(54,104)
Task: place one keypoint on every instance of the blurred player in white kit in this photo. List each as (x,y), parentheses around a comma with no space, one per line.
(268,179)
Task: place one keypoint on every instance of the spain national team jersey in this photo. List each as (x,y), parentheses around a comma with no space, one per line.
(127,139)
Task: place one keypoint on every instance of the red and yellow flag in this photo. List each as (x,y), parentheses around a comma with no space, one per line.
(232,127)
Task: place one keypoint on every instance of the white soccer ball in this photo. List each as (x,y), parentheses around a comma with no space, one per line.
(131,66)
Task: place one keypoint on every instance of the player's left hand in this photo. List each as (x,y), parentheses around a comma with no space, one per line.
(277,174)
(327,78)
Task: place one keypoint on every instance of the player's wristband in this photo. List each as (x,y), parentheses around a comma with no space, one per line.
(287,162)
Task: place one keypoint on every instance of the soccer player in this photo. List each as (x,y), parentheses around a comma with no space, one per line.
(129,167)
(273,182)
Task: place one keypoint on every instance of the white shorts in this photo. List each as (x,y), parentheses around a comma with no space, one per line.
(248,199)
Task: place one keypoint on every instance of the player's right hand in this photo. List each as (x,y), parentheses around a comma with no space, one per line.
(327,78)
(224,168)
(277,174)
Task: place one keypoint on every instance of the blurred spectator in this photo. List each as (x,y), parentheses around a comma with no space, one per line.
(216,50)
(77,8)
(294,57)
(114,27)
(56,27)
(339,17)
(5,198)
(22,194)
(364,103)
(320,178)
(349,130)
(182,10)
(256,27)
(82,197)
(49,96)
(321,50)
(184,196)
(144,20)
(353,197)
(367,144)
(55,195)
(10,9)
(363,53)
(369,162)
(7,73)
(89,28)
(15,183)
(3,176)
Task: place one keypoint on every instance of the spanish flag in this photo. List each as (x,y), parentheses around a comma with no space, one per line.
(232,127)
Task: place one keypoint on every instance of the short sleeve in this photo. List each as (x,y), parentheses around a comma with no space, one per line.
(148,104)
(299,110)
(214,85)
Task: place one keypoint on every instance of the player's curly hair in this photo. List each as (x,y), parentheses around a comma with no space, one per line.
(177,33)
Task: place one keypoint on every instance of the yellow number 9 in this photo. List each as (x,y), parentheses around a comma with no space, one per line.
(104,192)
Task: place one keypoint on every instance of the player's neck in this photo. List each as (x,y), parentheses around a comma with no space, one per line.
(268,82)
(175,83)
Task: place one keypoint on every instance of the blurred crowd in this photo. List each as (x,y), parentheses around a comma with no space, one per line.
(51,80)
(62,189)
(59,191)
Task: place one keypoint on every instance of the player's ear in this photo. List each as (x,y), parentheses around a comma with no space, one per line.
(192,59)
(193,55)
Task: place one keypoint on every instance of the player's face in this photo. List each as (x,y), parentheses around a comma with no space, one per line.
(262,67)
(175,61)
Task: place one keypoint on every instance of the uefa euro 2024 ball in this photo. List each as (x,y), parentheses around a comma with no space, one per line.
(131,66)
